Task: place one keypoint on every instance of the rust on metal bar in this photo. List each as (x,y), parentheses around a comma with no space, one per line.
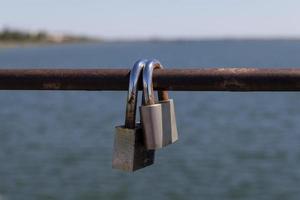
(184,79)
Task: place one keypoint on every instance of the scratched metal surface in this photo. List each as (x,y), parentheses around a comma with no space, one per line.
(58,145)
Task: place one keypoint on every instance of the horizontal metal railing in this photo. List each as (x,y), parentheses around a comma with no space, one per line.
(184,79)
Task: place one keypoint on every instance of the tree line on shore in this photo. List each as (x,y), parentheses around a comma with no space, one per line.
(12,35)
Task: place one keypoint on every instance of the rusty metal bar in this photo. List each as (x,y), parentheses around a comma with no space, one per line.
(199,79)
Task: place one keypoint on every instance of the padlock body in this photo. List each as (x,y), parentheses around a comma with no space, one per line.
(130,153)
(170,133)
(151,116)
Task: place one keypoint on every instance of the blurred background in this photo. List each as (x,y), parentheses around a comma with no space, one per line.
(58,144)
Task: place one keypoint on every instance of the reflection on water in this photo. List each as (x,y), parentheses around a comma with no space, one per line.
(58,145)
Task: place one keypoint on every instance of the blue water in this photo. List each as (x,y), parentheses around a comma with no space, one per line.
(58,145)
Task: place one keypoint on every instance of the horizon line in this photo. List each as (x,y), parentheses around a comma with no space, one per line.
(157,37)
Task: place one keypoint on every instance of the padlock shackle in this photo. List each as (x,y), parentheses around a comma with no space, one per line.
(148,92)
(132,95)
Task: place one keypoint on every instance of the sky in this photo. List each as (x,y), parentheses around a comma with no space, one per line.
(139,19)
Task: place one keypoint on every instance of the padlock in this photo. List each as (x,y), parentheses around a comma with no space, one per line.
(170,133)
(130,152)
(159,120)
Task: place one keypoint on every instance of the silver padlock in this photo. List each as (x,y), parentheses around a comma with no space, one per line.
(170,133)
(130,152)
(167,109)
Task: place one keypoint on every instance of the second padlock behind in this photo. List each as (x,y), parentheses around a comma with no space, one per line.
(158,117)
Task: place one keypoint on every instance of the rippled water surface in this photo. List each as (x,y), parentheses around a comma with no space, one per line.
(58,145)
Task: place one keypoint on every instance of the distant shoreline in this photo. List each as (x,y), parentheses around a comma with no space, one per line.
(10,38)
(17,44)
(11,44)
(202,39)
(14,38)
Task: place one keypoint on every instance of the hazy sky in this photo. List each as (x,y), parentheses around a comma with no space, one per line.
(156,18)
